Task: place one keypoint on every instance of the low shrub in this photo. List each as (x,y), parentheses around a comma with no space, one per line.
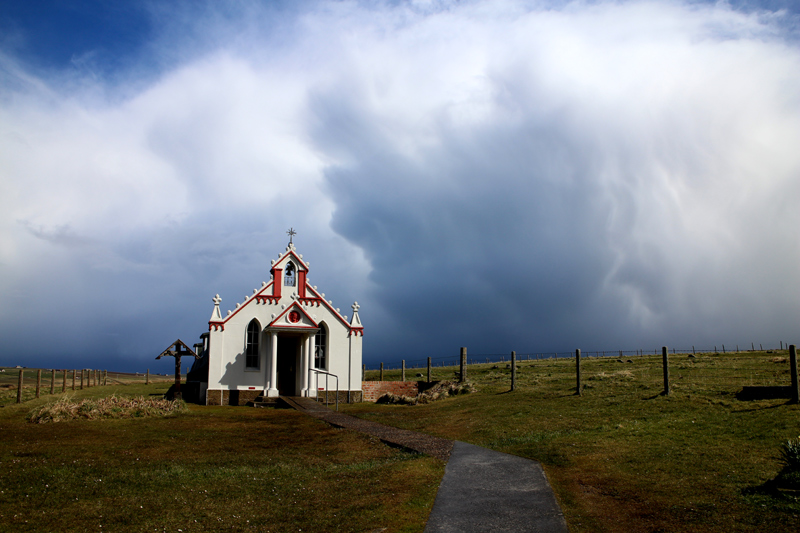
(111,407)
(790,454)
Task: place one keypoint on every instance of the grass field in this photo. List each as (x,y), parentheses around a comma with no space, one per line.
(623,457)
(212,469)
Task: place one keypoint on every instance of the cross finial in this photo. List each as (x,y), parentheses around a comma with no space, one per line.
(291,233)
(216,299)
(355,307)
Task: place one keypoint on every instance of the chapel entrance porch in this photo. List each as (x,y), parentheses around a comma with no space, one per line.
(288,361)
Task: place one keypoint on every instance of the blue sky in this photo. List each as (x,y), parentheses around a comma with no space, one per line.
(530,176)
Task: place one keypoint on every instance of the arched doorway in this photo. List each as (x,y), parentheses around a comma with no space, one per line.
(288,363)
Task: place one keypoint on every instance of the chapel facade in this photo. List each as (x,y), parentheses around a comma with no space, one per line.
(282,340)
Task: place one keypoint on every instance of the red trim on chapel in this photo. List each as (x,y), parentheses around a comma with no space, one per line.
(302,311)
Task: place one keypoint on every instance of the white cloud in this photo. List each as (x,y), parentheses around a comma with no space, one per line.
(596,173)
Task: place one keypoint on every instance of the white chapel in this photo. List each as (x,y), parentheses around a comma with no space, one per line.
(282,340)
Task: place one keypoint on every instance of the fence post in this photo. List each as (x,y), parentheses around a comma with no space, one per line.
(82,371)
(578,390)
(105,377)
(38,381)
(147,379)
(381,378)
(403,371)
(64,380)
(463,375)
(429,369)
(665,362)
(53,381)
(513,370)
(793,368)
(19,387)
(74,371)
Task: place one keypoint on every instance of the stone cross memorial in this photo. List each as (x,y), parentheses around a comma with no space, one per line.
(178,349)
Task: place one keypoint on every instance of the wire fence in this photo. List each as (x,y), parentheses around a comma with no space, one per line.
(485,358)
(748,374)
(20,384)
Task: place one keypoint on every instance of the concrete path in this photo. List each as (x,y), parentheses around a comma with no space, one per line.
(482,490)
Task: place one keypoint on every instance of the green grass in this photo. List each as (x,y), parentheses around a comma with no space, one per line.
(210,469)
(623,457)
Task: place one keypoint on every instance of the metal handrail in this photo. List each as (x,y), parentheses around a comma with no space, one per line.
(318,372)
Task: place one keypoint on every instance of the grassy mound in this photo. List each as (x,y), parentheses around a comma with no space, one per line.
(110,407)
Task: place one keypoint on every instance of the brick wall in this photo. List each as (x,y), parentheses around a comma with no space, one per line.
(372,390)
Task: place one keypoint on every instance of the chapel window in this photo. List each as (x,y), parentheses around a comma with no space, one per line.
(289,276)
(320,348)
(251,345)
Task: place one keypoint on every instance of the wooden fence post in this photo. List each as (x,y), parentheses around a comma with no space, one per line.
(429,369)
(64,380)
(74,371)
(578,390)
(147,379)
(463,374)
(513,370)
(381,377)
(82,372)
(793,369)
(38,381)
(403,371)
(665,362)
(53,381)
(19,387)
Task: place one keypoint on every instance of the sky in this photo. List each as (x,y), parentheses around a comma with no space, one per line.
(502,175)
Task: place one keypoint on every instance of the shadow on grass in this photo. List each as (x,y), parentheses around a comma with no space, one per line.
(764,407)
(783,489)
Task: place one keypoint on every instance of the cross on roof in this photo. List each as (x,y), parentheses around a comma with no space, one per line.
(355,307)
(291,233)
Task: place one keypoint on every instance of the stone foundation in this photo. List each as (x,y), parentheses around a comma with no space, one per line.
(355,396)
(231,397)
(241,397)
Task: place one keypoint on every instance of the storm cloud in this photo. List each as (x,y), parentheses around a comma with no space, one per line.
(534,176)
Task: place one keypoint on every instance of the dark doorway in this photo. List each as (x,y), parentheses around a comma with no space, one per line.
(287,365)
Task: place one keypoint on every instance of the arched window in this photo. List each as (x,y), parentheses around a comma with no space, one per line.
(251,358)
(289,275)
(320,348)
